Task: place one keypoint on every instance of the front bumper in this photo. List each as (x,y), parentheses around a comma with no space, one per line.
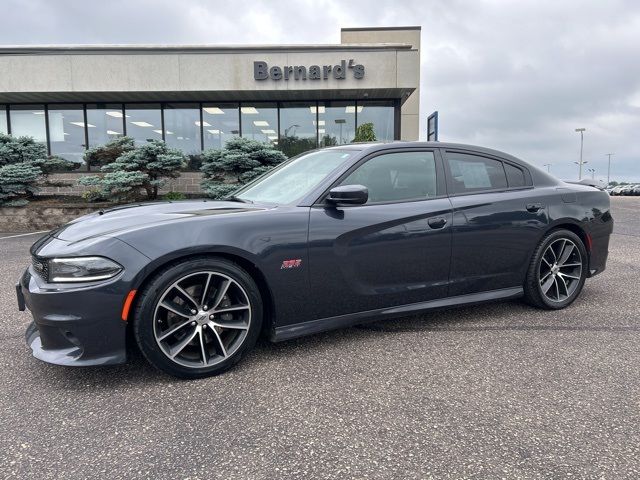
(74,327)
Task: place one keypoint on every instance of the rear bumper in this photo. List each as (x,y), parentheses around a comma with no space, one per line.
(74,327)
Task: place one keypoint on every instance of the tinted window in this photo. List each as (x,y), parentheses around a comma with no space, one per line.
(107,120)
(396,177)
(144,122)
(471,173)
(515,176)
(66,132)
(28,121)
(3,119)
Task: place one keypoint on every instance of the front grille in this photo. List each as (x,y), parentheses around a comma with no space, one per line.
(41,267)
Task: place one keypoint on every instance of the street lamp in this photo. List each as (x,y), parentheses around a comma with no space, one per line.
(581,130)
(609,168)
(548,165)
(593,172)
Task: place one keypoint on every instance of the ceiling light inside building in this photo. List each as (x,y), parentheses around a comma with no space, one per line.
(320,123)
(81,124)
(313,109)
(271,131)
(213,111)
(273,137)
(114,114)
(214,131)
(159,132)
(249,110)
(352,109)
(38,112)
(261,123)
(203,124)
(113,132)
(142,124)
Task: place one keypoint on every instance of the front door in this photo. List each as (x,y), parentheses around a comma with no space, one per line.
(393,250)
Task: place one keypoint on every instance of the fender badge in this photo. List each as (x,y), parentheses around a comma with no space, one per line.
(295,263)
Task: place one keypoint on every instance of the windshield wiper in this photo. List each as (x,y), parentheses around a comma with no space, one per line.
(233,198)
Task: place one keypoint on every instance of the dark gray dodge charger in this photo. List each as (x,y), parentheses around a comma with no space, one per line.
(331,238)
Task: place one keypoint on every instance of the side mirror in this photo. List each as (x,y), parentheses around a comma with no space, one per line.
(348,195)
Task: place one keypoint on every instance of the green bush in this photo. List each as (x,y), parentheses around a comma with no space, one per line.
(143,169)
(174,196)
(238,163)
(365,133)
(109,152)
(24,166)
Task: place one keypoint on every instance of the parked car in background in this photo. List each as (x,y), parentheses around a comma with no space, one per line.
(329,239)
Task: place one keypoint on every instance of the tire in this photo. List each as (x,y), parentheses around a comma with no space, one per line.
(554,282)
(225,326)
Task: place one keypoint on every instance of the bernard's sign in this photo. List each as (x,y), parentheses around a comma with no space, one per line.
(262,71)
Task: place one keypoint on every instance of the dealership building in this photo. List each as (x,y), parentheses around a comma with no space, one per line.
(196,97)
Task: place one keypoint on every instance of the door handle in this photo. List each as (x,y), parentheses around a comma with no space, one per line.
(534,207)
(437,222)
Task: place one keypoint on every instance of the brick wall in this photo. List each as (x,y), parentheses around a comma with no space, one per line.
(187,182)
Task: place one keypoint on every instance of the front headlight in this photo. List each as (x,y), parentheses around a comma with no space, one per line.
(81,269)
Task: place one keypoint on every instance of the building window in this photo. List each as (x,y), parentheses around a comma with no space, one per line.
(182,127)
(28,120)
(260,122)
(143,121)
(67,132)
(336,123)
(220,123)
(381,114)
(4,128)
(107,120)
(298,129)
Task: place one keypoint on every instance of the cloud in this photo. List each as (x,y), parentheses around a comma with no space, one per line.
(517,76)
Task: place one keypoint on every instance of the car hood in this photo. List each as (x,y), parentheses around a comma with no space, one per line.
(119,219)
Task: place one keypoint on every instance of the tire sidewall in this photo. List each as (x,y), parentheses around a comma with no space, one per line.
(143,319)
(548,240)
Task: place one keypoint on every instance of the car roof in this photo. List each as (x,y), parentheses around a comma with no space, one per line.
(377,146)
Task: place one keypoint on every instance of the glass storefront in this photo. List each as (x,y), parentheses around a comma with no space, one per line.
(4,128)
(381,114)
(298,128)
(260,122)
(293,127)
(182,127)
(28,120)
(336,123)
(143,121)
(67,132)
(107,120)
(220,123)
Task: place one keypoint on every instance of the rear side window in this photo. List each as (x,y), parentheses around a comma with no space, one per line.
(515,176)
(473,173)
(397,177)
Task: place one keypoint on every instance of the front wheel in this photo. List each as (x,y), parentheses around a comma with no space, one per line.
(198,318)
(557,271)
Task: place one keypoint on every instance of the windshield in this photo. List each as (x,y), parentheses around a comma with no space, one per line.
(294,179)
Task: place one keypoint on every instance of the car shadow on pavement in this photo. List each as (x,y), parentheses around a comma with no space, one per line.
(503,316)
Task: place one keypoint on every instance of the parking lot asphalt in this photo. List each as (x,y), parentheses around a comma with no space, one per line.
(493,391)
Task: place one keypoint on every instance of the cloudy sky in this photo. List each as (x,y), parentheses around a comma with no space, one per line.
(519,76)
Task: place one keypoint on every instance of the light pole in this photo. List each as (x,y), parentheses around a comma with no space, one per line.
(593,172)
(581,130)
(609,167)
(548,165)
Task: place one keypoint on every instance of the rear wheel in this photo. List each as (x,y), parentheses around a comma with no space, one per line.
(557,271)
(198,318)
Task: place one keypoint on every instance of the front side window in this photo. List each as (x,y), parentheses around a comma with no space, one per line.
(472,173)
(294,179)
(396,177)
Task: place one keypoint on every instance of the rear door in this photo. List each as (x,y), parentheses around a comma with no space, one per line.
(497,219)
(393,250)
